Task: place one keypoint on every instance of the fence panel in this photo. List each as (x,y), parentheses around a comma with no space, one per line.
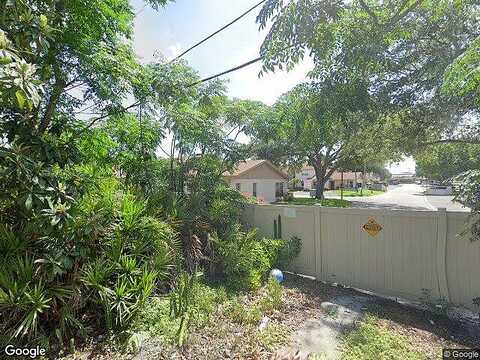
(462,262)
(416,255)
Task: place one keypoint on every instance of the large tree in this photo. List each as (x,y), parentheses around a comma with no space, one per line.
(322,124)
(421,55)
(403,49)
(444,161)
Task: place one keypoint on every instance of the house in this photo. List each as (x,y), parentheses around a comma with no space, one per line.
(258,178)
(350,179)
(406,177)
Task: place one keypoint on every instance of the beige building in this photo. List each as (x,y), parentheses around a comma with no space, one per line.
(350,179)
(258,178)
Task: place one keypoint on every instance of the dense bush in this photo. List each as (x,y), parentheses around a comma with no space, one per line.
(97,271)
(289,250)
(92,220)
(246,259)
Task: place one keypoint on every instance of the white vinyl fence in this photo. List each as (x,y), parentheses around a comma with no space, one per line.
(417,255)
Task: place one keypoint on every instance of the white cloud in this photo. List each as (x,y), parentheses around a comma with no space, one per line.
(406,165)
(247,85)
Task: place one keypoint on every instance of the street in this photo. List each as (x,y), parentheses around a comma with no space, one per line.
(400,197)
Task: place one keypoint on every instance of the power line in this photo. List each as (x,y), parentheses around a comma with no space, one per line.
(248,63)
(219,30)
(226,71)
(93,121)
(137,103)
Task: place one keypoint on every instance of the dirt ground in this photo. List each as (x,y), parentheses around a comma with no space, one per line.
(313,315)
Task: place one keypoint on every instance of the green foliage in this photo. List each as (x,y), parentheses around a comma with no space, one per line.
(243,314)
(274,336)
(289,250)
(272,299)
(251,314)
(419,60)
(444,161)
(48,283)
(371,342)
(323,123)
(462,78)
(277,228)
(467,191)
(92,220)
(323,202)
(156,317)
(365,192)
(245,260)
(180,303)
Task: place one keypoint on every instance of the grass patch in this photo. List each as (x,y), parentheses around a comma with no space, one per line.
(157,320)
(353,193)
(251,314)
(369,341)
(324,202)
(274,336)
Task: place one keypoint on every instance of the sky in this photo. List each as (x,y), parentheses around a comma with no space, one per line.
(179,25)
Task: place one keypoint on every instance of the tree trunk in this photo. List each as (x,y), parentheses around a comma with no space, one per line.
(341,186)
(321,179)
(51,106)
(363,180)
(57,90)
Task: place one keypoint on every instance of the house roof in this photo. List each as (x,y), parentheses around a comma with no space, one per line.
(347,175)
(249,165)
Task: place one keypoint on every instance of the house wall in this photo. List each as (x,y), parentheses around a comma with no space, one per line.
(307,176)
(265,187)
(261,172)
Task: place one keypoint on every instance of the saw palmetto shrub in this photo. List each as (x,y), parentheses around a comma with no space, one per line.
(90,272)
(246,259)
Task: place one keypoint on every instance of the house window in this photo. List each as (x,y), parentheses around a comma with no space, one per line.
(237,186)
(279,189)
(254,192)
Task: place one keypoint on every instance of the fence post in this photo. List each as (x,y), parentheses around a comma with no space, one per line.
(442,254)
(317,241)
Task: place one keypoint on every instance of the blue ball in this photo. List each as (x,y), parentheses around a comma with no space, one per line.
(277,275)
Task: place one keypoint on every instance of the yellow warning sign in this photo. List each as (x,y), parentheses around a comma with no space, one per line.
(372,227)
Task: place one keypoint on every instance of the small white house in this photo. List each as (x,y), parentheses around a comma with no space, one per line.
(350,179)
(258,178)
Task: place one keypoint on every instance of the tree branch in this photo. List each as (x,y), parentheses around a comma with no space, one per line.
(95,120)
(452,141)
(52,105)
(402,13)
(369,11)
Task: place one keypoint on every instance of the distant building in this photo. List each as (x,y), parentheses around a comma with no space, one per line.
(350,179)
(258,178)
(403,177)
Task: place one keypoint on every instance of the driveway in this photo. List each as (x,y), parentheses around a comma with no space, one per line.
(402,197)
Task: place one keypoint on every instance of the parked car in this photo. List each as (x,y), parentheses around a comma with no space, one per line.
(439,190)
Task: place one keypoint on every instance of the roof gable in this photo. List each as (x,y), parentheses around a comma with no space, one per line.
(256,169)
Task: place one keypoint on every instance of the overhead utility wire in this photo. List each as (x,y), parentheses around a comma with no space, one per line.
(226,71)
(219,30)
(187,85)
(248,63)
(92,122)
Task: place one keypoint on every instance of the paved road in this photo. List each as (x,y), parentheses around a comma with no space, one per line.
(405,196)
